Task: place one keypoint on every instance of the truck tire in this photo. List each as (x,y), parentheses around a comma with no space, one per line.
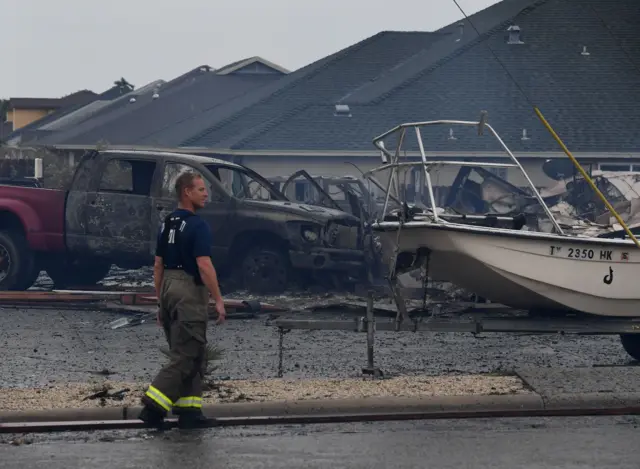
(16,262)
(77,274)
(264,270)
(29,277)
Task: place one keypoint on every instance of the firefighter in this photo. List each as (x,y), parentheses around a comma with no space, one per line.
(184,277)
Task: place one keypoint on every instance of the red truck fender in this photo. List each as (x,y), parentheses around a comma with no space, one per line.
(28,217)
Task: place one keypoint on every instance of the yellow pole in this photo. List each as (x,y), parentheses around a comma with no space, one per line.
(585,175)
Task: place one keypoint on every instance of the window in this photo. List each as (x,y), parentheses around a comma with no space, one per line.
(622,167)
(244,185)
(127,176)
(171,173)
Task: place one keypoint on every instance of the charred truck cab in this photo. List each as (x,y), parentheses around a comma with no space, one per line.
(261,240)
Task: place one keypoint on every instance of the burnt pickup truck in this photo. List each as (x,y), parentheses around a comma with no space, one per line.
(110,214)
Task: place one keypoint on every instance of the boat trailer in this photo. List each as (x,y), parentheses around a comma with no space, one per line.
(476,318)
(480,318)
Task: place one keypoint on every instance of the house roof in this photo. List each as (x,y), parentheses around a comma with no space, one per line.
(97,113)
(51,103)
(266,66)
(590,100)
(125,121)
(70,104)
(5,129)
(147,118)
(33,103)
(328,79)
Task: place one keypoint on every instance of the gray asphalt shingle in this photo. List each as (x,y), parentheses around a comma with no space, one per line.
(148,122)
(124,122)
(327,80)
(69,104)
(590,100)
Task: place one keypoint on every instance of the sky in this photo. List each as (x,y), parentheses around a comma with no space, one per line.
(52,48)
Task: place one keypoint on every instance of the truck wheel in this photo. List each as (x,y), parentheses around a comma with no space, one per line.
(77,274)
(265,270)
(29,277)
(631,345)
(16,261)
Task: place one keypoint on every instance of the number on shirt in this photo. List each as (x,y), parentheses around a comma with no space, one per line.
(172,236)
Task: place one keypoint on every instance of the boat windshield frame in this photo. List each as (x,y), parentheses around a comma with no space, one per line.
(392,161)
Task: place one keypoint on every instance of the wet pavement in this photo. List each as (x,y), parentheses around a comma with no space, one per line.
(575,443)
(63,345)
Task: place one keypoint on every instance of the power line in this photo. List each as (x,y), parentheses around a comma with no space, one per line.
(553,133)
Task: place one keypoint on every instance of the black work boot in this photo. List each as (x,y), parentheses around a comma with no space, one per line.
(191,419)
(152,417)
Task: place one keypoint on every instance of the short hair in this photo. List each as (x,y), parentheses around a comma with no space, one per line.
(184,181)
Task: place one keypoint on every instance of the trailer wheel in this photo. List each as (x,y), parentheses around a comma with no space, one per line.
(66,274)
(265,270)
(16,262)
(631,345)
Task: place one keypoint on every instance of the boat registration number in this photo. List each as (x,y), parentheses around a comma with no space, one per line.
(605,255)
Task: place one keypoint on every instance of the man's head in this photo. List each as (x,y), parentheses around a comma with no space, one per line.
(191,190)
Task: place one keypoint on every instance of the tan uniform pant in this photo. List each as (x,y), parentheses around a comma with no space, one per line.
(184,315)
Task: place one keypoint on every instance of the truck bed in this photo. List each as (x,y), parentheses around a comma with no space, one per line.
(40,210)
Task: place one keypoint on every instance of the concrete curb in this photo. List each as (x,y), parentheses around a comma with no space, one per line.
(434,405)
(427,404)
(596,400)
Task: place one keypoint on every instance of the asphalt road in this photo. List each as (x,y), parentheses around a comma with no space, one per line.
(52,346)
(570,443)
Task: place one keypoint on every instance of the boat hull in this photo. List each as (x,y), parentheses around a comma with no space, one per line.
(528,270)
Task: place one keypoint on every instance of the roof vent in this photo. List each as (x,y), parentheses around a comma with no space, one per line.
(524,135)
(132,100)
(585,51)
(451,136)
(461,31)
(514,35)
(342,110)
(155,95)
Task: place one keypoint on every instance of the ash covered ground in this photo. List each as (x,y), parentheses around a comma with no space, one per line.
(57,345)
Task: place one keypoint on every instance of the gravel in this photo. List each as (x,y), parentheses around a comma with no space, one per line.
(99,394)
(52,346)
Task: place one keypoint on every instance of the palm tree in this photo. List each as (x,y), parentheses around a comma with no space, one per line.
(124,85)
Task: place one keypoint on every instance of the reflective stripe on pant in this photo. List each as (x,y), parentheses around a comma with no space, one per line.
(190,402)
(159,398)
(184,316)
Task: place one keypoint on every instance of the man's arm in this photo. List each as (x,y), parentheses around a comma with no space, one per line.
(202,253)
(209,277)
(158,266)
(158,273)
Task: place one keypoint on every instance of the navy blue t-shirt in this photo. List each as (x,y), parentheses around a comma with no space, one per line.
(195,241)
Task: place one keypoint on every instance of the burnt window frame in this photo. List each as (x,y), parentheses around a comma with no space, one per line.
(130,159)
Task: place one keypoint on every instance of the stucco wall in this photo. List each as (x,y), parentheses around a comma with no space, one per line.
(22,117)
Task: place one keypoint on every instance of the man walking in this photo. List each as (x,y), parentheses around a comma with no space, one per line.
(184,276)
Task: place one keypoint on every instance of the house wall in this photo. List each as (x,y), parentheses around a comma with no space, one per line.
(269,166)
(22,117)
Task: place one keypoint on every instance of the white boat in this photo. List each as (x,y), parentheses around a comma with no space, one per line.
(526,270)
